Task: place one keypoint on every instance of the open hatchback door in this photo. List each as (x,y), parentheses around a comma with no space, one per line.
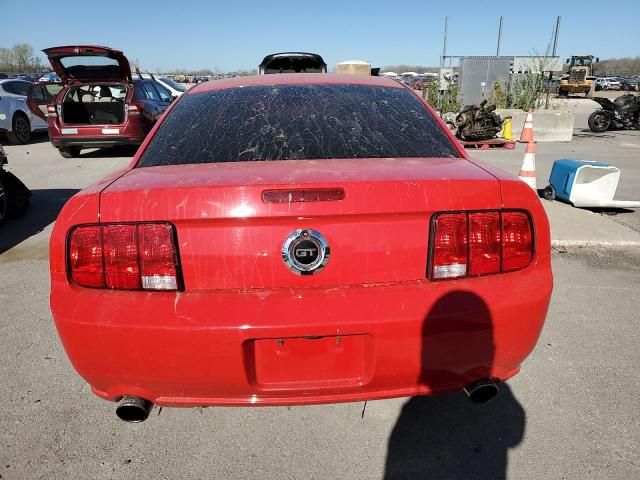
(89,63)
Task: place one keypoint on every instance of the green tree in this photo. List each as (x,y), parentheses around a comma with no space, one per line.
(20,58)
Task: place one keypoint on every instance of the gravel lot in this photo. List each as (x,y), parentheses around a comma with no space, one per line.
(571,413)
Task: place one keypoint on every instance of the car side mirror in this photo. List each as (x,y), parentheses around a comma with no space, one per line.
(597,59)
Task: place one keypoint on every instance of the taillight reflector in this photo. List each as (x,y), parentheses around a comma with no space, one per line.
(139,256)
(470,244)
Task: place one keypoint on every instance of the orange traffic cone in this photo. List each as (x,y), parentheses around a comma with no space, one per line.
(527,131)
(528,170)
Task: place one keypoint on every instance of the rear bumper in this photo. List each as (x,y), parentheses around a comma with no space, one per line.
(132,132)
(95,142)
(302,346)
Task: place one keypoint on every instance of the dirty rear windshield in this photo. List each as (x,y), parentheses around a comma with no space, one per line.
(293,122)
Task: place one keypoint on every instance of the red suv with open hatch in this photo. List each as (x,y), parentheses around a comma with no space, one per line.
(100,105)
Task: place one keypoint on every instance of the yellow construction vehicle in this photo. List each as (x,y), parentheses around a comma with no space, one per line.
(580,75)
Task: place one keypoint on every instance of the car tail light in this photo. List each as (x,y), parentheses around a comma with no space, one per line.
(157,257)
(121,269)
(450,246)
(303,195)
(517,241)
(132,256)
(484,243)
(134,109)
(85,256)
(470,244)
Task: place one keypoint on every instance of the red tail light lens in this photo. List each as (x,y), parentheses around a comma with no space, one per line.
(484,243)
(85,256)
(157,257)
(121,257)
(450,246)
(140,256)
(479,243)
(517,241)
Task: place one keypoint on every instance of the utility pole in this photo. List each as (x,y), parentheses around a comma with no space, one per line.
(555,36)
(499,37)
(553,54)
(442,60)
(444,46)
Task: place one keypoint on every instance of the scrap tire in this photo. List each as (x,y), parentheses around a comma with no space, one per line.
(549,193)
(598,122)
(17,193)
(69,152)
(20,129)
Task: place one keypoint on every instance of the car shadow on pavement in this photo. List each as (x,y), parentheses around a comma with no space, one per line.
(36,137)
(44,209)
(448,436)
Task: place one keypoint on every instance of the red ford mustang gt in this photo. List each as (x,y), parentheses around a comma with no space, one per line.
(299,239)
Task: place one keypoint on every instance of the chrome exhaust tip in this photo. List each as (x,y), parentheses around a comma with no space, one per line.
(133,409)
(481,391)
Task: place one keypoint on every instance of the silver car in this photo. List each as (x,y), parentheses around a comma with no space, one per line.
(17,119)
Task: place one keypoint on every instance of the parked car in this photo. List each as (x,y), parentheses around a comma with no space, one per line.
(607,83)
(27,77)
(100,105)
(298,239)
(292,62)
(50,77)
(629,84)
(17,119)
(174,87)
(14,195)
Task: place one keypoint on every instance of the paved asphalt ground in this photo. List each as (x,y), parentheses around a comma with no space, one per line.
(572,413)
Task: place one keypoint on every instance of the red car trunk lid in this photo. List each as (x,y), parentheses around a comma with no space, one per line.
(230,238)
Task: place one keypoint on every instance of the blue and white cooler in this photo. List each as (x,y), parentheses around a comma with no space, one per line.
(585,183)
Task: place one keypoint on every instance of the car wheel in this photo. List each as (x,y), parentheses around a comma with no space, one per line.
(549,193)
(598,122)
(3,201)
(69,152)
(21,129)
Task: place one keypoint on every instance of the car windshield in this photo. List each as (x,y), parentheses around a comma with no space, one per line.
(291,122)
(174,85)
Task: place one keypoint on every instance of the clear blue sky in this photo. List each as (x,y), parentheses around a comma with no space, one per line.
(237,34)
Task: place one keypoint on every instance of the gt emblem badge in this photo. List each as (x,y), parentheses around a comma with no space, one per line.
(305,252)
